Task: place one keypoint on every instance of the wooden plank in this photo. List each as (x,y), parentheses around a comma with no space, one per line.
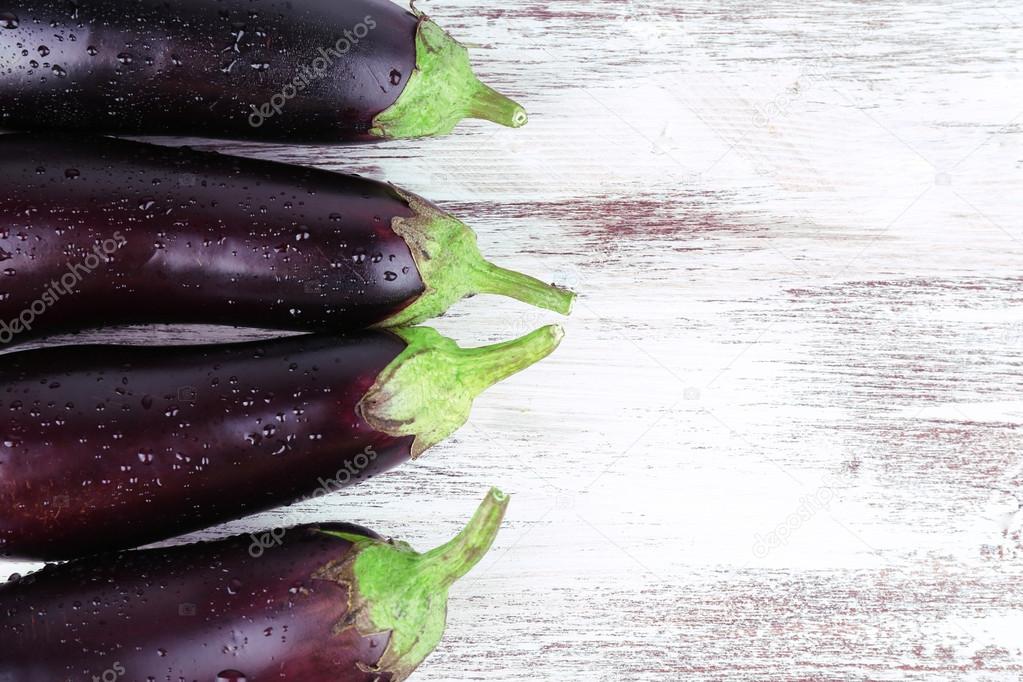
(782,438)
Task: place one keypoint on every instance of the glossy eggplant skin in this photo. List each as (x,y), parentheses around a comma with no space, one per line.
(109,447)
(301,70)
(189,612)
(181,236)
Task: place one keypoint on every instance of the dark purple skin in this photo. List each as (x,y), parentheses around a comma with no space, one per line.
(189,613)
(181,236)
(110,447)
(198,67)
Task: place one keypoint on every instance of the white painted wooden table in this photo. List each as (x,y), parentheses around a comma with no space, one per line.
(783,439)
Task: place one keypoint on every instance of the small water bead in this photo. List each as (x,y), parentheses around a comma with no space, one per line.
(230,676)
(125,58)
(395,76)
(8,20)
(58,71)
(43,51)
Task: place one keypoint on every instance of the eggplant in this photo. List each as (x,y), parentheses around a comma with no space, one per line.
(102,231)
(295,70)
(329,603)
(112,447)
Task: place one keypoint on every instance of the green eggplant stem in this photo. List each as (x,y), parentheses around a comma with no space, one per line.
(393,588)
(489,105)
(452,267)
(428,390)
(441,91)
(449,562)
(488,278)
(481,368)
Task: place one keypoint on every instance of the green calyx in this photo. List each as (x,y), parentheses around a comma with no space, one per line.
(393,588)
(452,267)
(441,91)
(428,390)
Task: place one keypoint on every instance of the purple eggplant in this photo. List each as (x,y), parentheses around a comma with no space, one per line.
(301,70)
(112,447)
(100,231)
(327,603)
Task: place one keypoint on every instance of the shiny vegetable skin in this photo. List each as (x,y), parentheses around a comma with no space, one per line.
(110,447)
(328,603)
(295,70)
(97,231)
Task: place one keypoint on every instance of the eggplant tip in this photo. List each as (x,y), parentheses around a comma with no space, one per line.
(519,118)
(555,332)
(568,298)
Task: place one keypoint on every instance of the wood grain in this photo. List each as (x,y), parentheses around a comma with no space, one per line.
(782,439)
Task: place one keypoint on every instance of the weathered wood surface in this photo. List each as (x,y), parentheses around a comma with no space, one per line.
(796,229)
